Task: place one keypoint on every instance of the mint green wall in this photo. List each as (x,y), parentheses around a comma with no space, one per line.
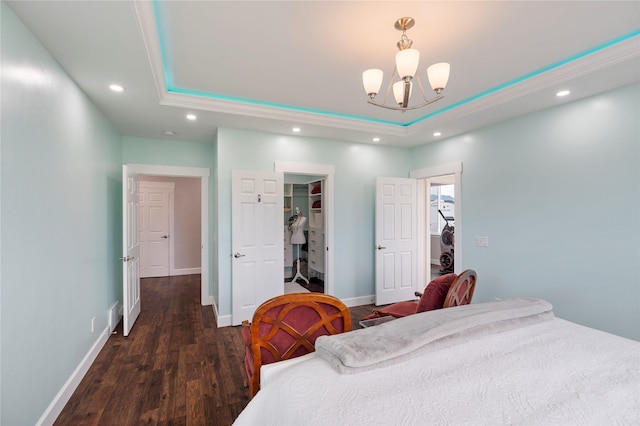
(167,152)
(161,152)
(558,194)
(356,168)
(60,192)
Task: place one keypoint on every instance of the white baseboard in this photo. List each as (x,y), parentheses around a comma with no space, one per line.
(215,309)
(114,314)
(358,301)
(224,321)
(221,321)
(185,271)
(55,408)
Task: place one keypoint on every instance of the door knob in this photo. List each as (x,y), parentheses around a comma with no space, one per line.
(164,236)
(381,248)
(237,255)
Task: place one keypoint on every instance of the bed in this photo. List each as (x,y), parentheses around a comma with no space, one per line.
(503,362)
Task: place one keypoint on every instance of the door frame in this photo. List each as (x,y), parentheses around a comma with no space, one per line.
(193,172)
(327,172)
(424,217)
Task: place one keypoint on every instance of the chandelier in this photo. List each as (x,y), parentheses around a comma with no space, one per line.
(405,68)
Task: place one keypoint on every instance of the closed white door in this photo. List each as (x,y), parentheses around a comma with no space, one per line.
(131,250)
(257,254)
(396,240)
(154,228)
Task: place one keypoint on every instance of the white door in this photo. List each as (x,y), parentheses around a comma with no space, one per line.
(154,228)
(257,204)
(131,250)
(396,240)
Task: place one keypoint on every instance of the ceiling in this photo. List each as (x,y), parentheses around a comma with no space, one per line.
(274,65)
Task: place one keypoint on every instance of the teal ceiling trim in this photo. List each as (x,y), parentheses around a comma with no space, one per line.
(171,87)
(528,76)
(168,74)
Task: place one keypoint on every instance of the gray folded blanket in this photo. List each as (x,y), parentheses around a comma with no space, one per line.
(405,338)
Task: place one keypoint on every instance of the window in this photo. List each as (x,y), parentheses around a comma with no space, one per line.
(441,198)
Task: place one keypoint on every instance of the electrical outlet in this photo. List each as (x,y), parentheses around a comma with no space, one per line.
(93,324)
(482,241)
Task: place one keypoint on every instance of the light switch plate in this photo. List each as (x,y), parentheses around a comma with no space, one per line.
(482,241)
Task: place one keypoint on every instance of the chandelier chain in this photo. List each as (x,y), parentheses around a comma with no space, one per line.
(405,42)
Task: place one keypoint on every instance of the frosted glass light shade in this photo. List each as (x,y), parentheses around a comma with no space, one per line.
(407,62)
(372,80)
(438,75)
(398,91)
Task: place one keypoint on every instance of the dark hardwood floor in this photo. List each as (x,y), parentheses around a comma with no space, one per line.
(175,367)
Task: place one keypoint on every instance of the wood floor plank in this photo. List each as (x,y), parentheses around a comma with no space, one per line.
(195,403)
(175,367)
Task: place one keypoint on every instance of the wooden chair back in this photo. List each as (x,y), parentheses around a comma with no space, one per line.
(287,326)
(461,290)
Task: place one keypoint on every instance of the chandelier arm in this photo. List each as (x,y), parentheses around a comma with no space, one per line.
(399,108)
(424,96)
(386,93)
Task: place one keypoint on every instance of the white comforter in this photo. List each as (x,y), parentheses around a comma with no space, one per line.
(547,371)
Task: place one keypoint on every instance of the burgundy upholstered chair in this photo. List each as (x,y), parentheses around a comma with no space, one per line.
(443,292)
(287,326)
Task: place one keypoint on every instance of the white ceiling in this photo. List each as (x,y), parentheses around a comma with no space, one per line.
(273,65)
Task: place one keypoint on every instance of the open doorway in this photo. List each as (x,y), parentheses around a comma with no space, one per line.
(170,234)
(430,249)
(441,229)
(318,181)
(132,173)
(304,229)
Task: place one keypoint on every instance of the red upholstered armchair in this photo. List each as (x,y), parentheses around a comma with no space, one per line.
(443,292)
(287,326)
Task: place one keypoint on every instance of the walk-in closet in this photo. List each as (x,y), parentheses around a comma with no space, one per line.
(304,254)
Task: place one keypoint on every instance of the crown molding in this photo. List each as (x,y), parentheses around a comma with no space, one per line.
(273,113)
(146,22)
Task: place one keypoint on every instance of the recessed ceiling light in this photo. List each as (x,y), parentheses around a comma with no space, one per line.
(296,129)
(191,117)
(116,88)
(169,133)
(437,134)
(562,93)
(376,139)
